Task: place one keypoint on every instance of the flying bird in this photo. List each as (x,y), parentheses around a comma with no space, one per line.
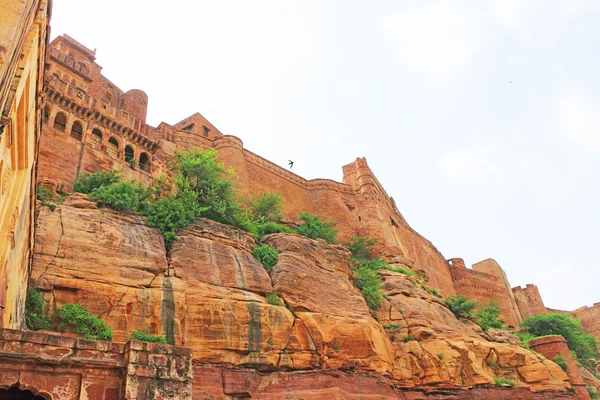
(291,163)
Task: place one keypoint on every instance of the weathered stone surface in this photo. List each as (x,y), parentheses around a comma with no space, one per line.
(209,294)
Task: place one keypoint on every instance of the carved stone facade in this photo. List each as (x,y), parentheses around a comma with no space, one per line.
(23,39)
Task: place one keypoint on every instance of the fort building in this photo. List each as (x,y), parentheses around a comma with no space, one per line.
(23,39)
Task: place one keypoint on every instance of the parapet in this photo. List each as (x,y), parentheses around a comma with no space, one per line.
(135,102)
(229,141)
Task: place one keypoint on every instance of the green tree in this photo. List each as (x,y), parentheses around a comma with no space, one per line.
(266,255)
(123,196)
(266,207)
(87,182)
(77,319)
(361,247)
(488,317)
(461,307)
(315,228)
(583,344)
(34,311)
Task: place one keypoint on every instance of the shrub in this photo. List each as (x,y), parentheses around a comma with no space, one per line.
(436,293)
(593,392)
(123,196)
(524,337)
(440,356)
(369,284)
(391,326)
(361,247)
(47,198)
(172,214)
(583,344)
(270,227)
(266,207)
(266,255)
(87,182)
(34,311)
(77,319)
(460,306)
(336,346)
(491,363)
(561,362)
(146,336)
(488,317)
(408,338)
(274,300)
(502,382)
(314,228)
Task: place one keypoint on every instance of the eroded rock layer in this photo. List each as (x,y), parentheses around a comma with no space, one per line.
(210,294)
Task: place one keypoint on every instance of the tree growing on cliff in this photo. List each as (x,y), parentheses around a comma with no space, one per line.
(314,227)
(265,207)
(489,317)
(87,182)
(461,307)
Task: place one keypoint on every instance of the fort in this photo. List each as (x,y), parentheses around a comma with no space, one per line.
(61,117)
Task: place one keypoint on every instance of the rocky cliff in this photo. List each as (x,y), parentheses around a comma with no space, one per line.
(208,293)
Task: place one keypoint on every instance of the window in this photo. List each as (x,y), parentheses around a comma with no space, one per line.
(60,121)
(129,155)
(206,130)
(77,130)
(96,139)
(144,162)
(113,147)
(189,127)
(46,112)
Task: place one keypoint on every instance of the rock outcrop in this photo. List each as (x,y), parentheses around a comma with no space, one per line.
(209,294)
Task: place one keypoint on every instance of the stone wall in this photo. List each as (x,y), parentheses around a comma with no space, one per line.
(67,368)
(22,51)
(529,300)
(590,319)
(485,287)
(552,346)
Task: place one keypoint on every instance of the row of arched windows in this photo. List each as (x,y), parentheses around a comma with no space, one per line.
(112,148)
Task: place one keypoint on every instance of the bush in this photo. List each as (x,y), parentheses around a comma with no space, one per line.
(47,198)
(593,392)
(525,337)
(87,182)
(146,336)
(123,196)
(266,207)
(77,319)
(34,311)
(314,228)
(488,317)
(561,362)
(274,300)
(583,344)
(172,214)
(336,346)
(266,255)
(440,356)
(501,382)
(369,284)
(361,247)
(408,338)
(270,227)
(460,306)
(491,363)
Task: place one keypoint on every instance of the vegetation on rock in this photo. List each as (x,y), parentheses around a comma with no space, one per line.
(561,362)
(87,182)
(47,198)
(274,300)
(76,319)
(489,317)
(34,311)
(266,255)
(461,307)
(123,196)
(583,344)
(314,227)
(146,336)
(503,382)
(265,207)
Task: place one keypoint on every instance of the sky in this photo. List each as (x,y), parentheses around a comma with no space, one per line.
(481,118)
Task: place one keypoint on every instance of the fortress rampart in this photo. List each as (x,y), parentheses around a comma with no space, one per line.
(529,300)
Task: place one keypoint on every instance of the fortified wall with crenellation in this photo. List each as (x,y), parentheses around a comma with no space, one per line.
(89,125)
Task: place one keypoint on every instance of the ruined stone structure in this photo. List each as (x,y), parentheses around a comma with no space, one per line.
(590,319)
(23,30)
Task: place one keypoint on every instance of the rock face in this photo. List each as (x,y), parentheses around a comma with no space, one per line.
(209,294)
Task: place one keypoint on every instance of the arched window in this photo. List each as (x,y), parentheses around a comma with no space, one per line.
(46,112)
(60,121)
(77,130)
(96,139)
(129,155)
(113,147)
(144,162)
(16,393)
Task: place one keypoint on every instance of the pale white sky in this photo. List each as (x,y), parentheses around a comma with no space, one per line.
(481,118)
